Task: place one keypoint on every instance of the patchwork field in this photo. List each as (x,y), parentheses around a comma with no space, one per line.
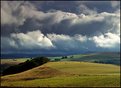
(66,74)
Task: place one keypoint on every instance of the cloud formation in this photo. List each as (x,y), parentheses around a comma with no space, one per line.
(32,26)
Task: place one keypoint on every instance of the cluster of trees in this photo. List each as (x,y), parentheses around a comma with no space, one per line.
(108,62)
(64,57)
(57,60)
(25,65)
(98,62)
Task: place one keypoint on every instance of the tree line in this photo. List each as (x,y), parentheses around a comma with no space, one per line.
(29,64)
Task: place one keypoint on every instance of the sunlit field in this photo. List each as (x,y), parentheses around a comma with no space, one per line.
(66,74)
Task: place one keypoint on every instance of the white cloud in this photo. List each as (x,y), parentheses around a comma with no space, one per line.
(107,40)
(32,40)
(16,12)
(37,40)
(66,42)
(112,21)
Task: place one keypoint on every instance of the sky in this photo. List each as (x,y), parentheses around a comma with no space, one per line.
(60,27)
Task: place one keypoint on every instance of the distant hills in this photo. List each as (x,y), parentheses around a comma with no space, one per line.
(104,57)
(98,57)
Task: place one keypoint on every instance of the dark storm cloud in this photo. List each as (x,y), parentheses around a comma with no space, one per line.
(60,26)
(71,6)
(29,23)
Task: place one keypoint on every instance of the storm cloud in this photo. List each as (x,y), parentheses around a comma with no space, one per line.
(51,26)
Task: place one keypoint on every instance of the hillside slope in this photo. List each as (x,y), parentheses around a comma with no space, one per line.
(5,63)
(67,74)
(107,58)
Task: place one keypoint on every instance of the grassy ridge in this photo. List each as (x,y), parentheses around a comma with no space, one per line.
(74,67)
(66,74)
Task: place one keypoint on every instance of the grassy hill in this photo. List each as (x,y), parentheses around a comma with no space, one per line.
(107,58)
(66,74)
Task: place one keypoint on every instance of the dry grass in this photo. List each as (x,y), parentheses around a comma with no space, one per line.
(66,73)
(35,73)
(83,68)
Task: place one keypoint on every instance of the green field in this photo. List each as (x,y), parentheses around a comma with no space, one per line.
(107,58)
(66,74)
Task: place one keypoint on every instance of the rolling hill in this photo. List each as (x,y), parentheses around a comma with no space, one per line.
(105,57)
(66,74)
